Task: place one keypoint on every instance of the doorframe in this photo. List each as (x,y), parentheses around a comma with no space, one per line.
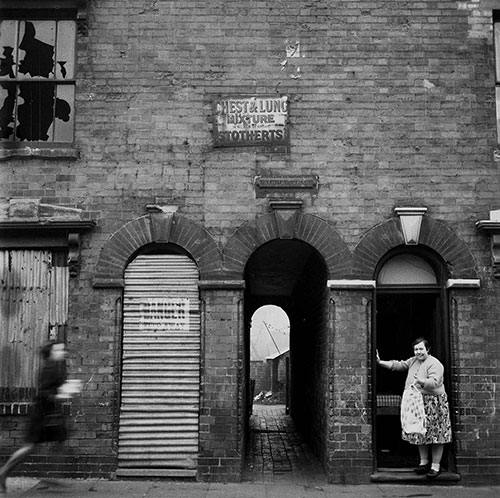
(441,272)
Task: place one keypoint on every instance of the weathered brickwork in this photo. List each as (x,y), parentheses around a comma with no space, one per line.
(476,414)
(391,103)
(433,235)
(222,395)
(350,431)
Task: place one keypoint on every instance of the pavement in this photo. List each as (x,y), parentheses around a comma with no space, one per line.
(35,488)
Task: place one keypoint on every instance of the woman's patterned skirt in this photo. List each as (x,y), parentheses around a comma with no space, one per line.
(437,421)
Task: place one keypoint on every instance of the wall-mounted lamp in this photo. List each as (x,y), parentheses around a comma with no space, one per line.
(411,221)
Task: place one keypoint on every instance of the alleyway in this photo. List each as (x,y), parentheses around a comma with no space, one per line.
(276,451)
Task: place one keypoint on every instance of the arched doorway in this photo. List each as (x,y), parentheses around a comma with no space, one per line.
(292,275)
(160,382)
(410,302)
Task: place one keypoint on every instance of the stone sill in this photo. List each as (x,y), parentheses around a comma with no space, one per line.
(38,151)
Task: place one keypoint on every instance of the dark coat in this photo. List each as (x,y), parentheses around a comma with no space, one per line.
(48,420)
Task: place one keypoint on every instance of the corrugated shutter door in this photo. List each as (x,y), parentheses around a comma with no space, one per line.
(161,367)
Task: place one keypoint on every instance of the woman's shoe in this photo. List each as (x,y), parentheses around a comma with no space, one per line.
(432,474)
(422,469)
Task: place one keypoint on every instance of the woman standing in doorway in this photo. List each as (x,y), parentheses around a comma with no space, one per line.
(47,422)
(426,373)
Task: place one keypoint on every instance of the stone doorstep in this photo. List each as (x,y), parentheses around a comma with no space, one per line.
(408,476)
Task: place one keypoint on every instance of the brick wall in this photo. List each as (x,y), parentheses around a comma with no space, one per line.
(350,430)
(476,351)
(260,371)
(377,110)
(222,393)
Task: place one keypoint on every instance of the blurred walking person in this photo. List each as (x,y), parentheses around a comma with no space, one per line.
(48,421)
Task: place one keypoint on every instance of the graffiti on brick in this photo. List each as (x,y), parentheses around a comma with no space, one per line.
(31,100)
(247,121)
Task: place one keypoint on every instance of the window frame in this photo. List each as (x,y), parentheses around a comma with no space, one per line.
(26,10)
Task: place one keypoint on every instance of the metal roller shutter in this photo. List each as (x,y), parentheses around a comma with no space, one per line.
(159,412)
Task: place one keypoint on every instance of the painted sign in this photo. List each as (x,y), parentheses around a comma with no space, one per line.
(164,314)
(247,121)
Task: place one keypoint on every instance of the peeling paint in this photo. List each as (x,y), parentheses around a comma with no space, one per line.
(292,49)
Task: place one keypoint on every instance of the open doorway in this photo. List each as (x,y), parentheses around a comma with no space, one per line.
(291,275)
(410,303)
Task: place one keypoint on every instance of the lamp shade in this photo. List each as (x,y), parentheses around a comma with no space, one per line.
(411,221)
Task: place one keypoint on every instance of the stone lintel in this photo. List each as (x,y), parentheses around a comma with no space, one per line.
(353,284)
(221,284)
(463,283)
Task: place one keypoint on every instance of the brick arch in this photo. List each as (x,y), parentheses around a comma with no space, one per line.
(160,228)
(433,234)
(276,225)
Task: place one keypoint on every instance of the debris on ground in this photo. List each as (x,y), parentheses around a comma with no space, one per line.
(269,398)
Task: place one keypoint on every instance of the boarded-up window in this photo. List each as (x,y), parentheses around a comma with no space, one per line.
(37,86)
(33,305)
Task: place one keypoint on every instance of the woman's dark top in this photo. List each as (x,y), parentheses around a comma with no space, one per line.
(48,421)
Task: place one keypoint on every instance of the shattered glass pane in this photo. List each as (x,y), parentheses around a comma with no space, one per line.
(36,48)
(64,122)
(65,50)
(35,111)
(8,49)
(7,104)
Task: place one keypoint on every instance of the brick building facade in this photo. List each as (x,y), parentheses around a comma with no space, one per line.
(363,200)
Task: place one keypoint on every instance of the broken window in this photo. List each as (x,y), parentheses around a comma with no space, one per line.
(37,85)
